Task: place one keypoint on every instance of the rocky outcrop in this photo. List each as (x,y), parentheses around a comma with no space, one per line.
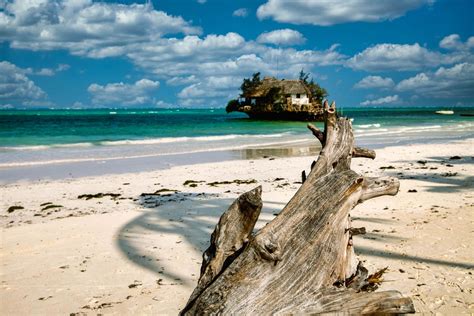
(274,99)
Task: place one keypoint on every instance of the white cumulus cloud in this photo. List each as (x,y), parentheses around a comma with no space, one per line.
(282,37)
(16,88)
(84,27)
(123,94)
(242,12)
(454,82)
(454,42)
(62,67)
(324,12)
(398,57)
(385,100)
(167,47)
(211,88)
(194,59)
(47,72)
(178,81)
(374,82)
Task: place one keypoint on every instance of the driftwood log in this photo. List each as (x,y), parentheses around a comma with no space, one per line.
(303,261)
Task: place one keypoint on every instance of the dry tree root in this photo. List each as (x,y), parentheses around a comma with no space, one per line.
(303,261)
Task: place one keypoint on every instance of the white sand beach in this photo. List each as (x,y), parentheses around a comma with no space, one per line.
(135,253)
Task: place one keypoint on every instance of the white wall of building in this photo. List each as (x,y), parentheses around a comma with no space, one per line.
(303,99)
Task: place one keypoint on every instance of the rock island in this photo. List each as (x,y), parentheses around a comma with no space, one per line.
(280,99)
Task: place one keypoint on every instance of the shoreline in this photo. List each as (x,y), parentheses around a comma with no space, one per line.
(139,251)
(130,165)
(117,165)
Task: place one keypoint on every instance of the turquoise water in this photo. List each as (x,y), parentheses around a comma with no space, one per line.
(59,127)
(35,137)
(30,128)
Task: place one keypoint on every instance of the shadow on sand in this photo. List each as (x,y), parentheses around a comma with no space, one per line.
(367,251)
(190,217)
(450,181)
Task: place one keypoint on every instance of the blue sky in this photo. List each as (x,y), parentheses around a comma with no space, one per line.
(195,53)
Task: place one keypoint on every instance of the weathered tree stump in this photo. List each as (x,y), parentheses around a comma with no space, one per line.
(303,261)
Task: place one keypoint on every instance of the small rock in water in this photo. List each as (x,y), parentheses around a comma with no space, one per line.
(454,158)
(412,191)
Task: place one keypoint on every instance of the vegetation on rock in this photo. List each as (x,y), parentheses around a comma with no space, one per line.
(317,91)
(249,84)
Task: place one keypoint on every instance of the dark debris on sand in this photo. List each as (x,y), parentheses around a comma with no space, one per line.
(98,196)
(236,181)
(13,208)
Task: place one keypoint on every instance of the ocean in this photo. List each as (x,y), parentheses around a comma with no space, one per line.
(165,137)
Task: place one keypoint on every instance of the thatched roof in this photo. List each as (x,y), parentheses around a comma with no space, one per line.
(294,87)
(285,86)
